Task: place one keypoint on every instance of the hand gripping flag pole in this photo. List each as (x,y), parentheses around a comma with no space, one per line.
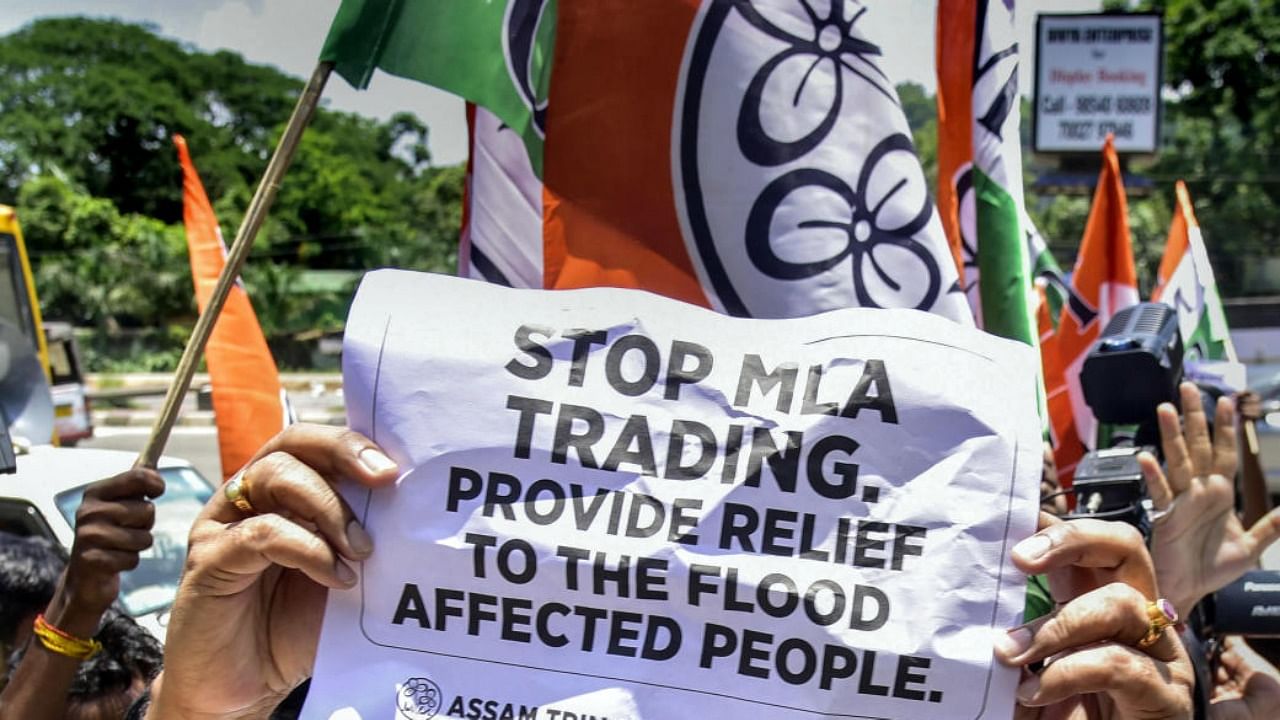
(263,197)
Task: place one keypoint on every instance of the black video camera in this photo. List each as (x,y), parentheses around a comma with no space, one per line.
(1135,365)
(1249,606)
(1108,485)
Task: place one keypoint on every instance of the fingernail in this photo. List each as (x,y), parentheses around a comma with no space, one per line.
(359,538)
(376,461)
(1028,688)
(345,574)
(1033,547)
(1013,643)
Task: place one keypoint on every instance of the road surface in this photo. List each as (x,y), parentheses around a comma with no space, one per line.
(198,445)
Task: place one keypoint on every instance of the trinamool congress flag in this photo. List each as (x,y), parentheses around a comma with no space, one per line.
(1185,283)
(1045,272)
(1051,370)
(493,53)
(249,402)
(746,155)
(980,164)
(1104,281)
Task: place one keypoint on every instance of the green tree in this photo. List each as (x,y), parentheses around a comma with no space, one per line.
(921,110)
(97,266)
(88,111)
(97,103)
(1222,125)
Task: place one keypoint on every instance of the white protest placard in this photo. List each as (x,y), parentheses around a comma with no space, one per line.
(1097,75)
(615,505)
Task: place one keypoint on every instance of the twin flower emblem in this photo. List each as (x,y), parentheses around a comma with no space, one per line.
(890,203)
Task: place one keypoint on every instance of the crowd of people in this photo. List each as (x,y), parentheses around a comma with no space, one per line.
(1110,642)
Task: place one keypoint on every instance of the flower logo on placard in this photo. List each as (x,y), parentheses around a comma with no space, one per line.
(878,234)
(419,698)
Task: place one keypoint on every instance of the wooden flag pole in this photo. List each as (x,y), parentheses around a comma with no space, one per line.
(253,219)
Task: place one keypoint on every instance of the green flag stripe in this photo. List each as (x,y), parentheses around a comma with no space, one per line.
(1044,264)
(355,38)
(474,49)
(1203,342)
(1004,285)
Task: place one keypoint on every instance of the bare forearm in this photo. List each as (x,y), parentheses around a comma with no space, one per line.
(38,689)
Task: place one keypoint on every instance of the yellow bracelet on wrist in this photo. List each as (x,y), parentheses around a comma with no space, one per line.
(63,643)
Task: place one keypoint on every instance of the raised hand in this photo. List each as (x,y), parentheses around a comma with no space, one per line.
(262,556)
(1198,542)
(113,526)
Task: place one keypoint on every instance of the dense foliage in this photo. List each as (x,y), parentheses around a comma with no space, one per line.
(88,110)
(1222,127)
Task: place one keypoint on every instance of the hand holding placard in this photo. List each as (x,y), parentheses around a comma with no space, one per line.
(542,587)
(618,505)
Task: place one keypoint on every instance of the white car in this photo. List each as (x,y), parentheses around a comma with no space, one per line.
(42,496)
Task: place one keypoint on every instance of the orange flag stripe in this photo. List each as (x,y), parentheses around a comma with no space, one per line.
(247,400)
(604,146)
(1067,446)
(1105,280)
(1179,241)
(956,20)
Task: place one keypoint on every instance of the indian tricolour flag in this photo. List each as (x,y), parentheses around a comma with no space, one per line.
(746,155)
(1185,282)
(980,164)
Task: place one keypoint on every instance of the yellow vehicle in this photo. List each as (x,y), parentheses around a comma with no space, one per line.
(54,344)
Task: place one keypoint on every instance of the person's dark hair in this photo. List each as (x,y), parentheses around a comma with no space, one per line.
(129,652)
(29,570)
(130,658)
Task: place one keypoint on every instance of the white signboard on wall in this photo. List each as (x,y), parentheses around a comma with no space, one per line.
(1097,74)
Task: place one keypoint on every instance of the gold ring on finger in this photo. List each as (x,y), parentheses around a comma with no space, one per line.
(1160,615)
(237,491)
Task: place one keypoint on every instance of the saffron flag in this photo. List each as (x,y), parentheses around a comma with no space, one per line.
(1185,283)
(980,164)
(248,401)
(1104,281)
(749,156)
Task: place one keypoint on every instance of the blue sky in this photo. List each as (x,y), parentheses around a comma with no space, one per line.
(288,35)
